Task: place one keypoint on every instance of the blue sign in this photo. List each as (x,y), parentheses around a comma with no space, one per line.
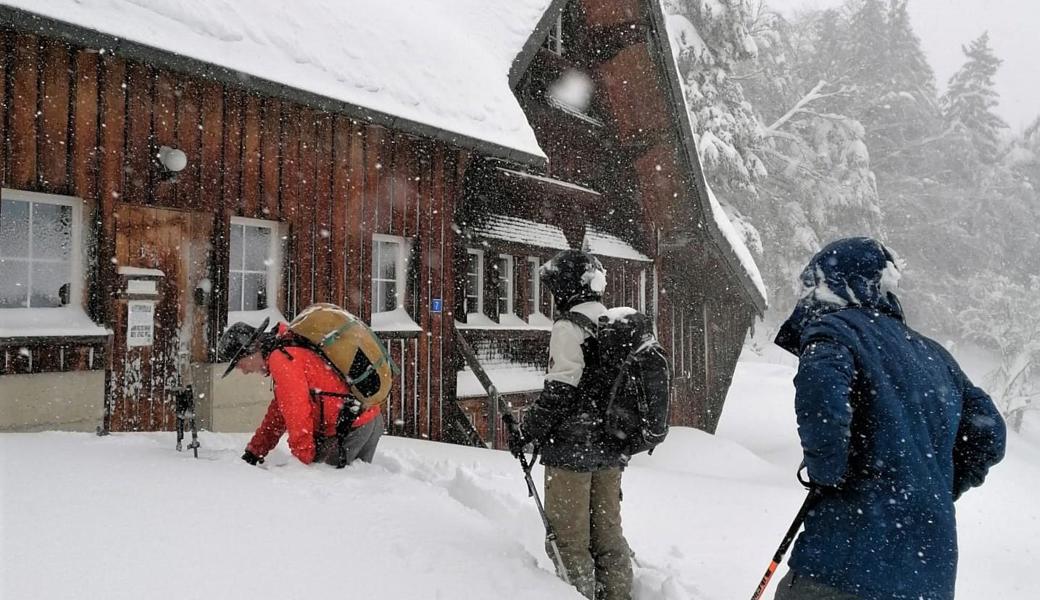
(435,305)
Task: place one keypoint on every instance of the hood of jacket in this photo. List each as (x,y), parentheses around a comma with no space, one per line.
(855,272)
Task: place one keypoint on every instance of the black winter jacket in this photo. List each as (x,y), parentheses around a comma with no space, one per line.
(566,421)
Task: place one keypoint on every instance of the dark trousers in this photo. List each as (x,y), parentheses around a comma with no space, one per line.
(796,587)
(360,444)
(585,511)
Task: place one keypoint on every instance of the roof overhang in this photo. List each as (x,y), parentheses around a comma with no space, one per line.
(689,155)
(76,34)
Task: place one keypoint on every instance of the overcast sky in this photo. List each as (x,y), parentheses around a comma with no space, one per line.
(945,25)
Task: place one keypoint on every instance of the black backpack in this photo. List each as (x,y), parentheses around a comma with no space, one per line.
(637,404)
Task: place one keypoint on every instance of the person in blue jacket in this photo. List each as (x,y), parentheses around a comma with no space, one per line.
(892,434)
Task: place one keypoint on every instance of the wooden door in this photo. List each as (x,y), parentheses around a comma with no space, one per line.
(148,241)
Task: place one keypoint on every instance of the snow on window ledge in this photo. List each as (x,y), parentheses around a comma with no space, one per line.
(511,379)
(394,320)
(65,321)
(510,322)
(254,318)
(539,320)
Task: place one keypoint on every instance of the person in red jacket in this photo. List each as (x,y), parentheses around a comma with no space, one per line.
(308,394)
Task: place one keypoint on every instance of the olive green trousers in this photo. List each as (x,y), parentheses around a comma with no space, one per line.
(584,510)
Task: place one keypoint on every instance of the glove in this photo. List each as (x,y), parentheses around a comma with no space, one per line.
(252,459)
(516,443)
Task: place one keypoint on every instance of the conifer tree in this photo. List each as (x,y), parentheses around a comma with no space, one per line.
(968,103)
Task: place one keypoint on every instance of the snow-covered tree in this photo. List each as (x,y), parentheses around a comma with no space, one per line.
(1003,318)
(712,38)
(969,102)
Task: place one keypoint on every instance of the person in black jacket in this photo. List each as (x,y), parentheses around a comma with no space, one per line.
(892,433)
(583,463)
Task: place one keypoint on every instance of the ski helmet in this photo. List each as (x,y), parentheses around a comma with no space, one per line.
(573,277)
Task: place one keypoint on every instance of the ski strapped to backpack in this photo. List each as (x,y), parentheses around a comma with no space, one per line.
(638,400)
(356,354)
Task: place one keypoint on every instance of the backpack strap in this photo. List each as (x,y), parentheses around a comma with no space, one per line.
(580,320)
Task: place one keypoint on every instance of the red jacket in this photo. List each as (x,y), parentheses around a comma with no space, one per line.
(297,372)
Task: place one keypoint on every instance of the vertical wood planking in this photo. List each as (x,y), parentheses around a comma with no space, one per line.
(339,206)
(231,190)
(211,159)
(305,211)
(54,118)
(166,93)
(85,125)
(139,114)
(251,158)
(270,149)
(373,206)
(323,209)
(110,174)
(424,239)
(83,150)
(211,189)
(232,167)
(5,58)
(442,262)
(290,198)
(187,192)
(22,106)
(355,218)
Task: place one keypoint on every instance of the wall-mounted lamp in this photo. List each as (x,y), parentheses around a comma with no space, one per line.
(172,160)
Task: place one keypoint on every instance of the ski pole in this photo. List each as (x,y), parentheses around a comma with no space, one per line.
(810,501)
(510,421)
(532,491)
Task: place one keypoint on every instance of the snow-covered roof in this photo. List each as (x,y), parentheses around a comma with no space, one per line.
(680,31)
(522,231)
(441,64)
(607,244)
(735,241)
(549,180)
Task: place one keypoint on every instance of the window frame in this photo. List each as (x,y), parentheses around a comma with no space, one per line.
(510,283)
(642,291)
(275,253)
(77,276)
(554,38)
(534,288)
(400,266)
(480,282)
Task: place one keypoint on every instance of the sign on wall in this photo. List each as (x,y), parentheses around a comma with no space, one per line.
(140,323)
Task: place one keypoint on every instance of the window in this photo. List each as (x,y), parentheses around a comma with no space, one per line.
(255,257)
(642,291)
(505,284)
(475,282)
(534,291)
(389,267)
(554,41)
(39,257)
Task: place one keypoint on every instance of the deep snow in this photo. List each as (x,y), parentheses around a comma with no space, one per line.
(126,516)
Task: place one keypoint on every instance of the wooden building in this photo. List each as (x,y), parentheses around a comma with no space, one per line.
(158,185)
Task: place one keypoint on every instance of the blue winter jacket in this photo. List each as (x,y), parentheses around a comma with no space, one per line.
(890,426)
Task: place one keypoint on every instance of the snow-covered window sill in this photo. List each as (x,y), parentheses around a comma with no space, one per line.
(254,318)
(395,323)
(63,322)
(507,380)
(507,322)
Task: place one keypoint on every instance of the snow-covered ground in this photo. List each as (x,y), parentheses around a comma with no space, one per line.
(128,517)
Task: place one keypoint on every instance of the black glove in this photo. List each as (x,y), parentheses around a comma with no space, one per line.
(251,458)
(516,443)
